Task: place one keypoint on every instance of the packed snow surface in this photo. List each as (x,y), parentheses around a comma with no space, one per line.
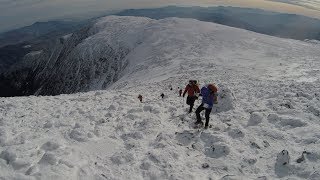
(265,126)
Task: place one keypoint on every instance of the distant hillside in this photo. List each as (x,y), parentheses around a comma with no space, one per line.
(37,30)
(11,54)
(270,23)
(41,35)
(14,45)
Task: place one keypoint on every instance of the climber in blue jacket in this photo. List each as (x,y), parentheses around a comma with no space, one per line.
(209,97)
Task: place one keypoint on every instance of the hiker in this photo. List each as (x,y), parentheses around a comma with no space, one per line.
(193,91)
(209,97)
(140,97)
(162,95)
(180,92)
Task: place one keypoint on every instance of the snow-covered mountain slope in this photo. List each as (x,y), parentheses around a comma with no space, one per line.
(97,56)
(268,102)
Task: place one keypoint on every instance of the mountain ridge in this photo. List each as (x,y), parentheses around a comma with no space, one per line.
(97,56)
(266,22)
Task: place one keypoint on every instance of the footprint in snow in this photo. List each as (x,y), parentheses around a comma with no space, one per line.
(152,109)
(214,146)
(122,158)
(162,140)
(131,144)
(185,138)
(236,133)
(48,159)
(217,150)
(210,139)
(135,110)
(132,116)
(255,119)
(50,146)
(286,121)
(291,122)
(8,155)
(133,135)
(80,135)
(141,125)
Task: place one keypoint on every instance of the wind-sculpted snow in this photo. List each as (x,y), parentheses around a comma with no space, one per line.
(265,126)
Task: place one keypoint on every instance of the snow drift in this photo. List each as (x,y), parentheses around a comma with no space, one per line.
(266,125)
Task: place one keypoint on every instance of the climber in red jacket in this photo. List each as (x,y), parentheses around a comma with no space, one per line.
(193,91)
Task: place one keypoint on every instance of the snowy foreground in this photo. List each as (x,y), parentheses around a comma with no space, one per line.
(268,102)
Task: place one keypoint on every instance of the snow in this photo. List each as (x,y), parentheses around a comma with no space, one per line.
(34,53)
(266,119)
(312,41)
(27,46)
(67,36)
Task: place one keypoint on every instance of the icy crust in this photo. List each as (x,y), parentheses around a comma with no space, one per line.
(265,126)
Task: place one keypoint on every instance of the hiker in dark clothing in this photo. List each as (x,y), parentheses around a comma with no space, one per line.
(140,97)
(192,90)
(180,92)
(209,97)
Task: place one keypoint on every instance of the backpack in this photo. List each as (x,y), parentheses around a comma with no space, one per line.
(194,82)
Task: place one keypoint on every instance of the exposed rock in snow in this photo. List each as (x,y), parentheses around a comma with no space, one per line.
(283,158)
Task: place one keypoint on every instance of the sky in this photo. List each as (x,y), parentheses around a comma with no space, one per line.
(18,13)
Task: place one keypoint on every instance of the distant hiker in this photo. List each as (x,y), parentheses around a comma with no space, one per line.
(180,92)
(162,95)
(192,90)
(209,97)
(140,97)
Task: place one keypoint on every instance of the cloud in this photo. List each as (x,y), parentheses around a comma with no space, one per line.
(310,4)
(17,3)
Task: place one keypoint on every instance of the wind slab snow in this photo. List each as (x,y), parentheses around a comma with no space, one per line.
(268,102)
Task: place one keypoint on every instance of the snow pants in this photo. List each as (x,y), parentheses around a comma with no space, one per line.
(207,114)
(190,102)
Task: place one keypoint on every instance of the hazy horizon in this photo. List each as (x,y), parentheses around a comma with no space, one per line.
(19,13)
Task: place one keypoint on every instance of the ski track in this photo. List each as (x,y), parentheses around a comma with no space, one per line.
(264,107)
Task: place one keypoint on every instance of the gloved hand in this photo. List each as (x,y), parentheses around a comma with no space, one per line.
(206,105)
